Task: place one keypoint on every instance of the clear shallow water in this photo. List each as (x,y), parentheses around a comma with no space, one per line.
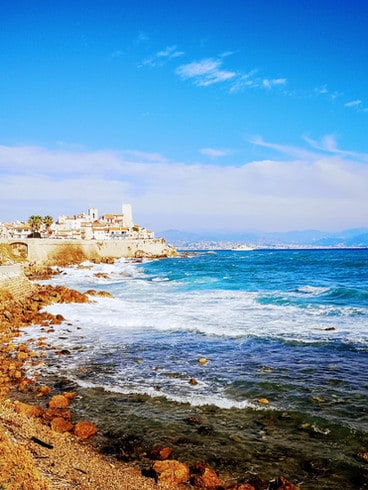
(289,326)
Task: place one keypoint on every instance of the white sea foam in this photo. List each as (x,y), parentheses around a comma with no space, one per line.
(147,304)
(313,290)
(196,400)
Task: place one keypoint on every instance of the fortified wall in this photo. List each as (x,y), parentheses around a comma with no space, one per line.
(65,252)
(59,252)
(12,279)
(55,252)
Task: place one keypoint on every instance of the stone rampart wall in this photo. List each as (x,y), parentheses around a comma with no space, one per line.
(12,279)
(48,251)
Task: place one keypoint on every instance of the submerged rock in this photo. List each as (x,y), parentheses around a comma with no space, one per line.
(205,477)
(281,483)
(161,453)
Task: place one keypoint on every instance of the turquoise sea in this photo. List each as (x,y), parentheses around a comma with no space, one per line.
(287,327)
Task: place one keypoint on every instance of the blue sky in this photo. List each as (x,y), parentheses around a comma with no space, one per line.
(204,115)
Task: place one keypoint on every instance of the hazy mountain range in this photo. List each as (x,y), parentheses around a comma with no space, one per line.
(357,237)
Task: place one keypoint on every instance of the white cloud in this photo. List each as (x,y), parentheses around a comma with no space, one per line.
(205,72)
(353,103)
(213,152)
(161,57)
(328,144)
(269,83)
(310,189)
(170,52)
(209,71)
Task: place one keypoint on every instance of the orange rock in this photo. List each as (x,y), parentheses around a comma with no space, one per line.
(243,486)
(171,471)
(69,395)
(52,413)
(281,483)
(43,390)
(59,424)
(84,430)
(161,453)
(28,410)
(207,477)
(22,356)
(59,401)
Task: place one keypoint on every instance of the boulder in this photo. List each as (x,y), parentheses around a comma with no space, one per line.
(281,483)
(28,410)
(58,424)
(84,430)
(51,413)
(161,453)
(171,472)
(59,401)
(205,477)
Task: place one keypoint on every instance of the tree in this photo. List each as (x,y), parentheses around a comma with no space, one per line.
(35,222)
(48,221)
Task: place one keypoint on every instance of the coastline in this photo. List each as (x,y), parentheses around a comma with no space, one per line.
(71,462)
(33,455)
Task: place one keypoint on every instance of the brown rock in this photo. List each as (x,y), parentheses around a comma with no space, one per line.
(171,471)
(281,483)
(43,390)
(161,453)
(52,413)
(59,424)
(243,486)
(28,410)
(69,395)
(22,356)
(363,456)
(84,430)
(59,401)
(206,477)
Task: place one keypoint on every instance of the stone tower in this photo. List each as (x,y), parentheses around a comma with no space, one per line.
(128,216)
(93,213)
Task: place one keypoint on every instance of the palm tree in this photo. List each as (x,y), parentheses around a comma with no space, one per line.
(35,222)
(48,221)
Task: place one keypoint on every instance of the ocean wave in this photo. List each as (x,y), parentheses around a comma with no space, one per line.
(312,290)
(193,399)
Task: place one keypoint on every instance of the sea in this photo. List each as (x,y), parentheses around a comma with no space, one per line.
(254,362)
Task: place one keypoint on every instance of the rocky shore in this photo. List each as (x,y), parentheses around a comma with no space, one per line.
(42,446)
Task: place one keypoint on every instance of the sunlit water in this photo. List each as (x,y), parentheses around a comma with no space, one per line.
(287,326)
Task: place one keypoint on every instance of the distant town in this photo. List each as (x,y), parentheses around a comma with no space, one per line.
(82,226)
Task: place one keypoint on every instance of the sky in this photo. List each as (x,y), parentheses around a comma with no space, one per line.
(206,115)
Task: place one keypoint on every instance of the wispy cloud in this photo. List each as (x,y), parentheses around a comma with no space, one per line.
(161,57)
(142,38)
(245,81)
(328,144)
(353,103)
(269,83)
(205,72)
(213,152)
(209,71)
(117,54)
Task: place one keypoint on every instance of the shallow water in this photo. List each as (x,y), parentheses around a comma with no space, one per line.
(288,326)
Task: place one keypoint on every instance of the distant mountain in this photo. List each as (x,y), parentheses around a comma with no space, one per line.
(357,237)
